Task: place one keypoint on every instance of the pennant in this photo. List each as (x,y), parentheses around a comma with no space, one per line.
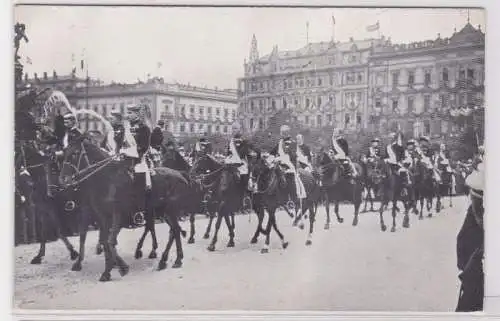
(374,27)
(81,64)
(333,19)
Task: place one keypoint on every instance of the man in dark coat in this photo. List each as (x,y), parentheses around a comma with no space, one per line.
(340,148)
(157,136)
(470,247)
(395,152)
(303,152)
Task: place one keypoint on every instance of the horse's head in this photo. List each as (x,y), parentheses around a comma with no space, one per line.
(78,156)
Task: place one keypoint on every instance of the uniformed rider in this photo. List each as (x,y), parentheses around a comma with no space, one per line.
(341,152)
(395,152)
(304,157)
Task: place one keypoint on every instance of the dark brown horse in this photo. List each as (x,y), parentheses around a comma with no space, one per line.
(222,180)
(95,173)
(338,186)
(426,187)
(373,175)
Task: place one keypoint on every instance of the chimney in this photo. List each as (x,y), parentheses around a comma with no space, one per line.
(45,75)
(54,74)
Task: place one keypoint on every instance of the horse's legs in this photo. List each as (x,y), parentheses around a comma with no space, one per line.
(429,204)
(357,200)
(408,205)
(421,217)
(450,194)
(367,189)
(218,223)
(394,212)
(327,209)
(260,217)
(271,213)
(82,227)
(212,215)
(298,218)
(274,225)
(178,245)
(383,203)
(230,226)
(41,252)
(192,227)
(311,226)
(164,257)
(138,249)
(152,229)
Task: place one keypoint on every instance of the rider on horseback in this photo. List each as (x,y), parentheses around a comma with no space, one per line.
(341,152)
(441,161)
(304,156)
(426,156)
(395,153)
(287,160)
(373,151)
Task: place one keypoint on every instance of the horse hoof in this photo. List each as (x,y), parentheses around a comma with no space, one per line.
(206,236)
(285,245)
(301,226)
(429,215)
(340,220)
(327,226)
(264,251)
(393,229)
(138,254)
(309,242)
(211,248)
(152,255)
(177,265)
(73,255)
(105,277)
(162,266)
(420,217)
(77,266)
(123,270)
(383,228)
(253,240)
(230,243)
(36,260)
(355,222)
(191,240)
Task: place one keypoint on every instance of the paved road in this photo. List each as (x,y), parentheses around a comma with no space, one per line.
(346,268)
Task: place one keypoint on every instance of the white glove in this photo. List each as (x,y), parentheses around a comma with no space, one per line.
(23,199)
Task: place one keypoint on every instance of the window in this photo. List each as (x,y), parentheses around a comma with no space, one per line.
(331,80)
(470,74)
(308,82)
(233,114)
(347,119)
(461,74)
(319,101)
(191,110)
(122,108)
(191,128)
(251,123)
(302,83)
(320,81)
(306,119)
(427,128)
(378,103)
(284,103)
(296,102)
(444,100)
(427,102)
(225,129)
(201,111)
(182,128)
(104,109)
(226,112)
(319,120)
(96,108)
(395,79)
(285,84)
(358,118)
(273,104)
(445,74)
(395,105)
(307,102)
(411,107)
(290,83)
(296,83)
(427,80)
(411,79)
(360,78)
(331,99)
(217,128)
(261,124)
(183,110)
(200,127)
(261,106)
(330,118)
(217,112)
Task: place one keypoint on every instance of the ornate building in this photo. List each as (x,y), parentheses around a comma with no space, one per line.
(187,110)
(369,84)
(422,87)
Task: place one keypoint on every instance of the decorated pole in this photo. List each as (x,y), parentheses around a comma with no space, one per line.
(20,34)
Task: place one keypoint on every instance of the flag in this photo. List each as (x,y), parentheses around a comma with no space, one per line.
(81,64)
(159,64)
(333,19)
(374,27)
(28,61)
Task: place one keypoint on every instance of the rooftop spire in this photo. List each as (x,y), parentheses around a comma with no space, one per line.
(254,52)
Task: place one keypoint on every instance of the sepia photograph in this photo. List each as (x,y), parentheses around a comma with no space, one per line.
(177,158)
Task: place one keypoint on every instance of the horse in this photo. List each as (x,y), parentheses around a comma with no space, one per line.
(373,175)
(425,186)
(445,187)
(201,200)
(222,180)
(44,209)
(396,187)
(269,195)
(338,186)
(95,173)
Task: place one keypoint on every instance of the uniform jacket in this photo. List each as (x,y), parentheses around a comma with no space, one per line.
(71,135)
(342,142)
(142,135)
(306,151)
(156,138)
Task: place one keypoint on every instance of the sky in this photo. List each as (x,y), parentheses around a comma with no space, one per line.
(204,46)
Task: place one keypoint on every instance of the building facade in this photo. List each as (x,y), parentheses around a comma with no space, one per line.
(186,110)
(370,85)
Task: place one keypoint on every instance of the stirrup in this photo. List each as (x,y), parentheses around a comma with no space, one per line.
(139,219)
(69,206)
(290,205)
